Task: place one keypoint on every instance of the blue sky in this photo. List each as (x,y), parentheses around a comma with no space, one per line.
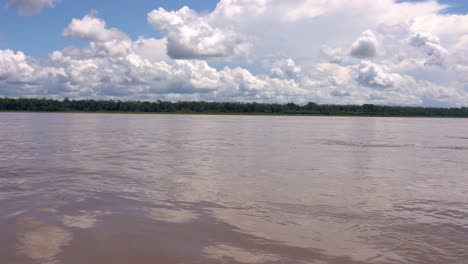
(410,52)
(457,6)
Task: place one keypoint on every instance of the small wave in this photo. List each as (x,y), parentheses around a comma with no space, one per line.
(453,213)
(14,188)
(364,145)
(440,211)
(459,138)
(449,147)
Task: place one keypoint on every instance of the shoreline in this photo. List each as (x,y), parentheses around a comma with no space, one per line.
(229,114)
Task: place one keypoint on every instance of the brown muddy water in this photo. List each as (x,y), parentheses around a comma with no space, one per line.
(146,189)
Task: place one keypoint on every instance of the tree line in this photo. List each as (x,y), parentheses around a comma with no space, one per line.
(89,105)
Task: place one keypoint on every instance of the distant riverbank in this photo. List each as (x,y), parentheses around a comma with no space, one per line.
(224,114)
(221,108)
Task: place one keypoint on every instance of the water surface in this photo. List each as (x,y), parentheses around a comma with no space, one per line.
(105,188)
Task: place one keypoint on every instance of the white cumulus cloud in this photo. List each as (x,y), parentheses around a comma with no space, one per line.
(285,68)
(366,46)
(104,41)
(431,44)
(377,76)
(191,36)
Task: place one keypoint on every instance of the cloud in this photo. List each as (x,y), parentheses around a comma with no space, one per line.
(151,49)
(16,67)
(340,93)
(376,76)
(19,74)
(103,41)
(134,76)
(285,68)
(333,55)
(431,44)
(91,28)
(31,7)
(191,36)
(448,26)
(333,75)
(366,46)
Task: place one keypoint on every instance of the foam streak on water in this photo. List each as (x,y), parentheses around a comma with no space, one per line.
(100,188)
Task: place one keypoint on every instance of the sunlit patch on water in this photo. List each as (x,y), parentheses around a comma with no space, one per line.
(14,214)
(48,210)
(85,220)
(172,216)
(229,252)
(329,229)
(54,196)
(40,241)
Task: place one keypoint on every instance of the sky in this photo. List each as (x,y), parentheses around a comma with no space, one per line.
(325,51)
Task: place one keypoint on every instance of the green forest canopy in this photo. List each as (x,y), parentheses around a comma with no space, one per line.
(66,105)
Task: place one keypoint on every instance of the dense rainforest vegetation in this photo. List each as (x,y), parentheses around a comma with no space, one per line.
(66,105)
